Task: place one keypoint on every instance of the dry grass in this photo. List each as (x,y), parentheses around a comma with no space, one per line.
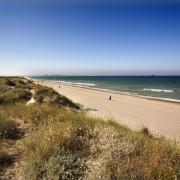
(18,82)
(72,145)
(58,149)
(14,90)
(64,141)
(149,159)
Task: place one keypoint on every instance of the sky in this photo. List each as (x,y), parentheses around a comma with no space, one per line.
(90,37)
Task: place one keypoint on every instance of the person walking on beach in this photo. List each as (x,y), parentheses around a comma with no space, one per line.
(110,98)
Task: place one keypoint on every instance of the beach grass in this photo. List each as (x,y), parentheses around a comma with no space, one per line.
(71,146)
(8,127)
(48,95)
(63,142)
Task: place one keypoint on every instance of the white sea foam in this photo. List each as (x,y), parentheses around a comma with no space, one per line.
(75,83)
(86,84)
(159,90)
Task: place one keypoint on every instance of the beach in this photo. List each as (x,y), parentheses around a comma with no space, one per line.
(162,118)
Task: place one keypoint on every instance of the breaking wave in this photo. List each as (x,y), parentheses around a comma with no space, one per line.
(159,90)
(76,83)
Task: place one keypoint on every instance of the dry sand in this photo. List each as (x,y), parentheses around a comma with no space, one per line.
(160,117)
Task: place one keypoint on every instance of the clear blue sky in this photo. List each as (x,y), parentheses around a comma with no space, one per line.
(90,38)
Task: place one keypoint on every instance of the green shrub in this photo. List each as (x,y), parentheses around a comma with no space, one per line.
(64,166)
(2,155)
(58,166)
(9,82)
(5,160)
(47,140)
(15,95)
(8,128)
(59,148)
(31,169)
(48,95)
(39,99)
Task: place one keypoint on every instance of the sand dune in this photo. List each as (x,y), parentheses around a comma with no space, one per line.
(162,118)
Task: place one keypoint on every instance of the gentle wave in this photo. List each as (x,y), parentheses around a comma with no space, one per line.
(75,83)
(159,90)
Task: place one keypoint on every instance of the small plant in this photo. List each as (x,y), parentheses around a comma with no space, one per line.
(64,166)
(39,99)
(145,131)
(8,128)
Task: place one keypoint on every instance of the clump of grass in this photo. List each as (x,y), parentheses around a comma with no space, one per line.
(45,141)
(39,99)
(8,128)
(35,114)
(24,83)
(16,82)
(58,150)
(65,166)
(150,159)
(48,95)
(58,166)
(5,160)
(8,82)
(64,131)
(145,131)
(15,95)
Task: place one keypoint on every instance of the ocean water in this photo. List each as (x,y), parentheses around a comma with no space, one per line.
(152,86)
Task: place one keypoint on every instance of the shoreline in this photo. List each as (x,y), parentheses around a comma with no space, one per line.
(159,116)
(168,100)
(127,94)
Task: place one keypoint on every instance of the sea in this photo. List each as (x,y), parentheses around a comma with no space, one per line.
(160,87)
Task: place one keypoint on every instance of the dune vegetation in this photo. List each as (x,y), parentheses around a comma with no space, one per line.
(54,138)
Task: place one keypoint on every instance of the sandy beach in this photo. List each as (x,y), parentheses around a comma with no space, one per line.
(160,117)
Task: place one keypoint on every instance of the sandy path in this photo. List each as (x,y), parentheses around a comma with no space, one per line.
(160,117)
